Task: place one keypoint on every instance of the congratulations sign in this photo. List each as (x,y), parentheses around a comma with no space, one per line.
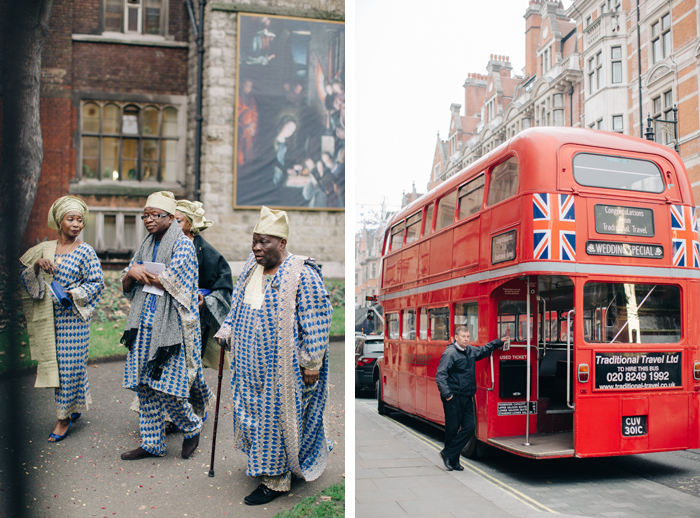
(626,221)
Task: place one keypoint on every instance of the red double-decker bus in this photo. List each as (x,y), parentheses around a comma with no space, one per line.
(582,246)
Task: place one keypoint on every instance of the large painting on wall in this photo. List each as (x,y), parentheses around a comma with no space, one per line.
(290,114)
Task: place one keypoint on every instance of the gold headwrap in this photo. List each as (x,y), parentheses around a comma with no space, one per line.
(63,206)
(164,200)
(273,223)
(194,213)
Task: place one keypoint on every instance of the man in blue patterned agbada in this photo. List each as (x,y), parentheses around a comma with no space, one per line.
(162,332)
(278,331)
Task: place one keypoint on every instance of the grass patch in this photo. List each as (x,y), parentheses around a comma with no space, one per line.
(104,339)
(338,321)
(329,503)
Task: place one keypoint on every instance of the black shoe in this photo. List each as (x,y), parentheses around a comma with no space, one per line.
(262,495)
(138,453)
(457,466)
(189,445)
(446,462)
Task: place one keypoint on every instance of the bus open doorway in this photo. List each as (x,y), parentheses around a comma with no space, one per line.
(551,407)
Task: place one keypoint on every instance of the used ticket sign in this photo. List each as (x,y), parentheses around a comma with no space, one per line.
(637,370)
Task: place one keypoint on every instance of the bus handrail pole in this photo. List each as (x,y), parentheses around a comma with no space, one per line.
(568,357)
(493,381)
(527,390)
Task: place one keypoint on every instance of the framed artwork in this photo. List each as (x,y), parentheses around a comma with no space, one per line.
(290,114)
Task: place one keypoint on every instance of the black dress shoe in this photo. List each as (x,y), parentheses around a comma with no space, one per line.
(457,466)
(189,445)
(262,495)
(138,453)
(446,462)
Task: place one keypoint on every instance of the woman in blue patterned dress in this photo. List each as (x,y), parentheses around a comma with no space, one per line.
(59,334)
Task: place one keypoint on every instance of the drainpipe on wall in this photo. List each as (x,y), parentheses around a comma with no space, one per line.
(639,75)
(199,33)
(571,105)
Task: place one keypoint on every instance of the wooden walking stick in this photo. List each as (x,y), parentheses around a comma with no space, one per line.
(216,414)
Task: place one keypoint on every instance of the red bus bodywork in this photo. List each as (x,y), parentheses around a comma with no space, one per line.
(480,264)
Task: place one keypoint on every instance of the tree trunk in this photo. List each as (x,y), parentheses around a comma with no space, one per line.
(25,26)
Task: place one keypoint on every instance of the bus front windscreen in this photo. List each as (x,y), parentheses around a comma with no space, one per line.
(631,313)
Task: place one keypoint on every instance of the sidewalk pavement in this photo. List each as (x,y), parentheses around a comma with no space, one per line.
(84,475)
(399,474)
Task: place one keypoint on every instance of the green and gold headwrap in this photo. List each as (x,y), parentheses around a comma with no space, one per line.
(63,206)
(194,213)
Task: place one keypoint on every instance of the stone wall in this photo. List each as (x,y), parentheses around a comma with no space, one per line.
(319,234)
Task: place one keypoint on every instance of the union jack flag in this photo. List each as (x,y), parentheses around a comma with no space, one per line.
(685,237)
(554,224)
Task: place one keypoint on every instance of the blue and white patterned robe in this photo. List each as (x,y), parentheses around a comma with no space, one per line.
(185,368)
(79,271)
(277,420)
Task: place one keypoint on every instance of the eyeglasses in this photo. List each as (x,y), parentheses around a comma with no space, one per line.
(154,216)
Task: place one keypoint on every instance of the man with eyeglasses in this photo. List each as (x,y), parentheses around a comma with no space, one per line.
(162,332)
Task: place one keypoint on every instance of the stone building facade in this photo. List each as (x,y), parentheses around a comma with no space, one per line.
(118,104)
(320,234)
(582,70)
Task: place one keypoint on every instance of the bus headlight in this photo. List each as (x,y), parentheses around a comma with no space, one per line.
(696,371)
(583,373)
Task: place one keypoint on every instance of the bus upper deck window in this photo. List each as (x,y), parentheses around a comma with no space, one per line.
(471,196)
(446,211)
(397,236)
(611,172)
(428,220)
(504,181)
(413,228)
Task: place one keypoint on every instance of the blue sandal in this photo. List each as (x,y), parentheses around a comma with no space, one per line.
(75,416)
(57,437)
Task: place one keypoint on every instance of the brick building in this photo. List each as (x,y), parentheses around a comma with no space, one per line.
(581,70)
(367,252)
(118,102)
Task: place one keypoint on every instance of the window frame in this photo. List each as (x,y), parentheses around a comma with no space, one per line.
(161,103)
(473,335)
(431,328)
(439,214)
(616,63)
(142,9)
(461,195)
(491,181)
(662,38)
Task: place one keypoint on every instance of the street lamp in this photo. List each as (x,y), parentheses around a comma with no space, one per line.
(649,132)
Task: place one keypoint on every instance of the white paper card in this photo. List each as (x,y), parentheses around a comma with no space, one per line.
(156,269)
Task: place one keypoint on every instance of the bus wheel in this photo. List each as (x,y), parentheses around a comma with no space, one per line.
(380,403)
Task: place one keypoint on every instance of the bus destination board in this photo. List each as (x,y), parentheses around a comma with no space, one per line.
(637,370)
(624,221)
(503,247)
(612,248)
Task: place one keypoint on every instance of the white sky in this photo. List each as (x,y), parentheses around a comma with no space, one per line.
(409,65)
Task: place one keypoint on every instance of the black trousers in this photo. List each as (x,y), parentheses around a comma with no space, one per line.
(459,425)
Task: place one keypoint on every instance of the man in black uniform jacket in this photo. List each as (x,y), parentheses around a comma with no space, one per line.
(456,382)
